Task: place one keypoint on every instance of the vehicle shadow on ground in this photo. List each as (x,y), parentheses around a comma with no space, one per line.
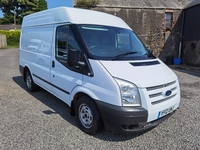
(116,137)
(58,107)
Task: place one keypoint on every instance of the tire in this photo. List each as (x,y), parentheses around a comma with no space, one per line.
(87,115)
(31,86)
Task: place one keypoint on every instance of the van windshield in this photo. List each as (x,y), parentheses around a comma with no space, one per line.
(112,43)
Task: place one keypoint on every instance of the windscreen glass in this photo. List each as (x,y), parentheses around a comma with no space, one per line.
(112,43)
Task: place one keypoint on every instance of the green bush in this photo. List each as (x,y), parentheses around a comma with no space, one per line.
(12,37)
(87,3)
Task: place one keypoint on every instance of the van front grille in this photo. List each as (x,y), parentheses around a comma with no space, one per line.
(160,86)
(162,100)
(157,94)
(160,93)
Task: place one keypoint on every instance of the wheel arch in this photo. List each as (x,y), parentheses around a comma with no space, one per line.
(75,99)
(26,68)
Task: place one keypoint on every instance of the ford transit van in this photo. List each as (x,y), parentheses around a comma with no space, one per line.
(96,64)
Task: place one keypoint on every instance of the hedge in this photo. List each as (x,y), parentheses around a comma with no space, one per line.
(12,36)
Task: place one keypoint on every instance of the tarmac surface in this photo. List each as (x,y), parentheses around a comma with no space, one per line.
(40,121)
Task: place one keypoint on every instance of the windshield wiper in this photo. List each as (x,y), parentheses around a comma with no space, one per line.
(122,55)
(149,55)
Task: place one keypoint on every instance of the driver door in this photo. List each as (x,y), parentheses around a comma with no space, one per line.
(62,78)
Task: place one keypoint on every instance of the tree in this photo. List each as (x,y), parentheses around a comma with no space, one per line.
(17,9)
(42,5)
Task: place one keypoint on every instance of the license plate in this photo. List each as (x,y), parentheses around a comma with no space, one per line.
(165,111)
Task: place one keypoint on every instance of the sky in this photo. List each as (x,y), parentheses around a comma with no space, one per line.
(54,3)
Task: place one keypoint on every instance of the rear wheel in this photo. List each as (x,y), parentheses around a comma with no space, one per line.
(31,86)
(88,116)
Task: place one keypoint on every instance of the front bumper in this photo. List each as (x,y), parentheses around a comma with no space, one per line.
(126,119)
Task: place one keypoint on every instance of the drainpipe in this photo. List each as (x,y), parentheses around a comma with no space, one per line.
(181,35)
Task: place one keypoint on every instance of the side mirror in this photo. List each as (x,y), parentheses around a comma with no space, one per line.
(150,54)
(73,58)
(151,51)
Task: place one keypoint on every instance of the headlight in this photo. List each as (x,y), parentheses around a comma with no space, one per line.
(129,93)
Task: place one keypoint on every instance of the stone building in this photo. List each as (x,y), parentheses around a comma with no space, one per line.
(156,22)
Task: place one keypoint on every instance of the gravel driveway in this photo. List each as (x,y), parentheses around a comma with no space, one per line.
(39,121)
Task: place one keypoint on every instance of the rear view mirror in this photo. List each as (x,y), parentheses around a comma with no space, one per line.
(73,58)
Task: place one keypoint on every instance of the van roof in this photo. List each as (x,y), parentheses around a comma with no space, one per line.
(72,15)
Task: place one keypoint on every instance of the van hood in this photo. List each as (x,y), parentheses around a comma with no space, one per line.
(141,73)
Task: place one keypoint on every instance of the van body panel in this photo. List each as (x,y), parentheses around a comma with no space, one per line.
(76,16)
(102,84)
(142,76)
(36,54)
(146,77)
(154,105)
(35,62)
(64,81)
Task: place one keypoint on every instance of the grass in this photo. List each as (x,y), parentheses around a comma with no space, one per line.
(12,46)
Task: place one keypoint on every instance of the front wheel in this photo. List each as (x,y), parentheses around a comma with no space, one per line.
(88,116)
(31,86)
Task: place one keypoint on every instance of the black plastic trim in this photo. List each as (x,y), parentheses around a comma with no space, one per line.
(52,84)
(126,119)
(149,63)
(115,117)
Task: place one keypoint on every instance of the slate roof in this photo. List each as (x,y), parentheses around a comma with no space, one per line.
(173,4)
(192,3)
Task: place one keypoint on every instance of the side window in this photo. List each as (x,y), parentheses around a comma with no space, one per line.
(61,42)
(65,40)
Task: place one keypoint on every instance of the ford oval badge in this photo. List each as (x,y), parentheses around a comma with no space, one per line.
(168,93)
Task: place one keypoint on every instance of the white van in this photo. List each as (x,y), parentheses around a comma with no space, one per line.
(95,63)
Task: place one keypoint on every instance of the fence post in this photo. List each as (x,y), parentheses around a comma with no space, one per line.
(3,41)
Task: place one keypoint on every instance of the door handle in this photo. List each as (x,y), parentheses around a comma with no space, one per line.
(53,64)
